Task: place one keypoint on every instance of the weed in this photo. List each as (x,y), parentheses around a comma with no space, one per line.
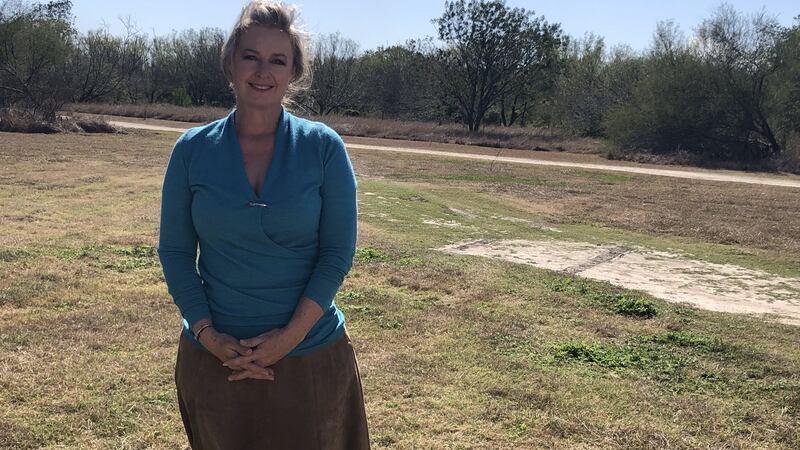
(690,340)
(604,355)
(425,302)
(137,251)
(15,254)
(349,296)
(69,254)
(634,306)
(603,295)
(370,254)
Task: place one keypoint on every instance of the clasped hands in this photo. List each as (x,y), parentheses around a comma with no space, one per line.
(250,358)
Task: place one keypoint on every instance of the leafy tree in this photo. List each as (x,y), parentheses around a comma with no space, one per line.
(397,82)
(717,97)
(536,81)
(582,98)
(784,92)
(489,47)
(673,107)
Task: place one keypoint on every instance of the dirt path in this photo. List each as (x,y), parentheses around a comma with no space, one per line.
(791,182)
(145,126)
(716,287)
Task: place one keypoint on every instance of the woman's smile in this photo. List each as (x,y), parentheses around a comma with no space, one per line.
(261,87)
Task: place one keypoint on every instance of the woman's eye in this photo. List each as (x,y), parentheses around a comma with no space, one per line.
(279,61)
(249,57)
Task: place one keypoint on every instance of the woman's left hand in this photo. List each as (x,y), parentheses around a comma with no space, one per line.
(268,348)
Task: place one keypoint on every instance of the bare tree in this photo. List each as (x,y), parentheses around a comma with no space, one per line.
(197,57)
(103,64)
(742,50)
(334,69)
(35,47)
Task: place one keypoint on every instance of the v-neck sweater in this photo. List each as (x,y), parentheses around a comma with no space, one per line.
(245,260)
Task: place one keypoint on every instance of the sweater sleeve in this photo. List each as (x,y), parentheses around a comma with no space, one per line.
(177,244)
(337,225)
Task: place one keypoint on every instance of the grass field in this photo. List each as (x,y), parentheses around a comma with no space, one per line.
(455,352)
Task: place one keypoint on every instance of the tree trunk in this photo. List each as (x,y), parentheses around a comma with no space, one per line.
(503,111)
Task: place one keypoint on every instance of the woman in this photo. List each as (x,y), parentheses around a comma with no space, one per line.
(269,200)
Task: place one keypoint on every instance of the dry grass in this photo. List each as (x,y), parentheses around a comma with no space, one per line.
(455,352)
(197,114)
(540,139)
(17,122)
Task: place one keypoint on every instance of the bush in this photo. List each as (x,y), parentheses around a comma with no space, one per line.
(95,126)
(16,121)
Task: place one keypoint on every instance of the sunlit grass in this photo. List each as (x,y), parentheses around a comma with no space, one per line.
(455,351)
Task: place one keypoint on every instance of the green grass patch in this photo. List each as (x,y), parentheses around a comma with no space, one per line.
(634,306)
(370,254)
(602,294)
(678,360)
(121,259)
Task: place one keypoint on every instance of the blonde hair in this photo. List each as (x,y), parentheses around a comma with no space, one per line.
(273,15)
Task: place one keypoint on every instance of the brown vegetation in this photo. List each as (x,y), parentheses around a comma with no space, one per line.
(540,139)
(14,121)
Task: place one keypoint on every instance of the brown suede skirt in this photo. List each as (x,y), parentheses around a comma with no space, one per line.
(315,402)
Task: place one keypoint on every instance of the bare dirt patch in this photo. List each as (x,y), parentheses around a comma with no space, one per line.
(675,278)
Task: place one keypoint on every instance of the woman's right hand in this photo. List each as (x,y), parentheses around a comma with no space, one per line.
(226,347)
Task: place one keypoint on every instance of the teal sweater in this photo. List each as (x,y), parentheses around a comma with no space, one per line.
(258,255)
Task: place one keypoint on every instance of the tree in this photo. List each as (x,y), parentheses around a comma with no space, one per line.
(197,57)
(536,81)
(397,82)
(160,75)
(103,65)
(742,52)
(784,91)
(36,43)
(582,98)
(334,69)
(489,47)
(717,97)
(673,106)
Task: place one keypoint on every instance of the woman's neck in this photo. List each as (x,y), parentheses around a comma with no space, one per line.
(257,122)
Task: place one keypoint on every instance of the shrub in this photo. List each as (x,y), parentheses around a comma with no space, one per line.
(16,121)
(95,126)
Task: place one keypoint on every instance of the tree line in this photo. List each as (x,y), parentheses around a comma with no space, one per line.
(729,91)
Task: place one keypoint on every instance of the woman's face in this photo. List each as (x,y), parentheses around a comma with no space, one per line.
(262,67)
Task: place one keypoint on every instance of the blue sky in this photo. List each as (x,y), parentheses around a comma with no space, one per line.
(376,23)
